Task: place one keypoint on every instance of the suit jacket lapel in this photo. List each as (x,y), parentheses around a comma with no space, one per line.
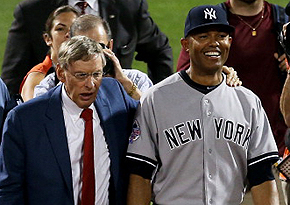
(104,112)
(57,136)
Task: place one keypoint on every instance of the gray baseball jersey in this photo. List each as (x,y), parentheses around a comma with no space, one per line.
(200,143)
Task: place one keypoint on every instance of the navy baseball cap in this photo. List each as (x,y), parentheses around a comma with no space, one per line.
(206,15)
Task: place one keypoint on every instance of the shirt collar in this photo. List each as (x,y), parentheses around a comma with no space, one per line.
(93,4)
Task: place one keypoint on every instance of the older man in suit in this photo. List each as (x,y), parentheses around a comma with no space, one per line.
(44,157)
(132,28)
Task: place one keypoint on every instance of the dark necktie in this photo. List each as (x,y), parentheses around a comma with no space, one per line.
(83,5)
(88,188)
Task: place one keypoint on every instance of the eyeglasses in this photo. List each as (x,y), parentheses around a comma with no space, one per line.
(83,76)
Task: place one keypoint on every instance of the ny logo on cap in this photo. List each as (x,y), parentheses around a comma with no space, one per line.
(209,13)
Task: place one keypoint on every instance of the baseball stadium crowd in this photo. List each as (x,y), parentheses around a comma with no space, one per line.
(80,126)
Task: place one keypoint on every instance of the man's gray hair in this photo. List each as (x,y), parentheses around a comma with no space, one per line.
(87,22)
(79,48)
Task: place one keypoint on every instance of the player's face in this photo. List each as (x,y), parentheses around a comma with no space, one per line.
(208,49)
(82,91)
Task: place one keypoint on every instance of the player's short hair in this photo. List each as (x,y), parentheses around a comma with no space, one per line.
(79,48)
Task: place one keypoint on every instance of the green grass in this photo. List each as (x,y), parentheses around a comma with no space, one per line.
(168,14)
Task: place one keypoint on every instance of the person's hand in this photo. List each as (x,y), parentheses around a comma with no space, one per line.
(128,85)
(118,74)
(283,64)
(232,77)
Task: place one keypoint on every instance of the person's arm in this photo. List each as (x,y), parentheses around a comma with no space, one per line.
(31,81)
(285,101)
(139,191)
(128,85)
(265,193)
(17,53)
(45,85)
(153,46)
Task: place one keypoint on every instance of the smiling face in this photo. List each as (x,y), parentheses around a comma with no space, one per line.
(208,49)
(82,92)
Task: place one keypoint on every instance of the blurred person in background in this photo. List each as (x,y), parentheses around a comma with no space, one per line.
(132,28)
(57,29)
(98,29)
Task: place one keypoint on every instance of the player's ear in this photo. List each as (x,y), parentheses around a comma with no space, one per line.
(230,39)
(185,44)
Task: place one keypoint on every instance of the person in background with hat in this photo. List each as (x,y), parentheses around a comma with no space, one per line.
(204,152)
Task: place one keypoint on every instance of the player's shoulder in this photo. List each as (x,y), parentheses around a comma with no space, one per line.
(245,94)
(164,87)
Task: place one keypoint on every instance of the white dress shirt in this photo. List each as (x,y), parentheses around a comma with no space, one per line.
(93,6)
(75,127)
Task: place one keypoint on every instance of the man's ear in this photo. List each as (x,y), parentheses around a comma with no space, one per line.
(185,44)
(47,39)
(230,39)
(60,73)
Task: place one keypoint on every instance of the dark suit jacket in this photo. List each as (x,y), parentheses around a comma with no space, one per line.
(4,100)
(132,30)
(34,157)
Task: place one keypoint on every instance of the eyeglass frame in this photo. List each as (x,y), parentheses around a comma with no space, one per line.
(82,76)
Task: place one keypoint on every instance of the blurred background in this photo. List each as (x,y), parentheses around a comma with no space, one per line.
(168,14)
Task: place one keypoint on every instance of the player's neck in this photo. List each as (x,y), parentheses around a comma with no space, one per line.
(243,8)
(205,79)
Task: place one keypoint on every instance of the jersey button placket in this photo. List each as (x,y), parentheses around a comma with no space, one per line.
(209,158)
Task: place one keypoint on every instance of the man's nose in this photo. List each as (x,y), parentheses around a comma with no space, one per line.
(90,81)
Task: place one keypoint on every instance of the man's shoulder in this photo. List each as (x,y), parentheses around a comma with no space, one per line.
(246,95)
(108,81)
(110,87)
(164,86)
(39,103)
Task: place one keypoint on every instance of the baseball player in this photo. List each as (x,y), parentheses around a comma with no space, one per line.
(205,150)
